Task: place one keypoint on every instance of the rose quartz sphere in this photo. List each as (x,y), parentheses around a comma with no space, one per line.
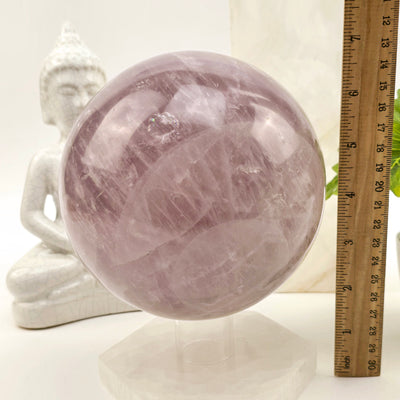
(192,185)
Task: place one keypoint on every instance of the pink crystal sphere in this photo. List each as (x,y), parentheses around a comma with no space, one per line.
(192,185)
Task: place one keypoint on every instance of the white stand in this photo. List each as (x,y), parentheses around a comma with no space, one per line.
(248,357)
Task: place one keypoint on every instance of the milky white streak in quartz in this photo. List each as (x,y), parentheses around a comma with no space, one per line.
(192,185)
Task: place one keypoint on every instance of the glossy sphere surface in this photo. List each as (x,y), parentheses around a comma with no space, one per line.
(192,185)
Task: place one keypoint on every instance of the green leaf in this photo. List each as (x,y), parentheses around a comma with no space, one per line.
(395,165)
(395,179)
(332,186)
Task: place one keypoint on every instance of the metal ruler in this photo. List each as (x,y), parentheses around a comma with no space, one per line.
(368,84)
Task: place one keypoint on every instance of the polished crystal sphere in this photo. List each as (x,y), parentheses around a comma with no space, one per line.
(192,185)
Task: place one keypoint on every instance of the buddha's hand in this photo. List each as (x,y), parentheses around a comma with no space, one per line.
(53,234)
(62,245)
(58,241)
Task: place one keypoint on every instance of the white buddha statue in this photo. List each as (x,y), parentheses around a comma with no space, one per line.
(50,284)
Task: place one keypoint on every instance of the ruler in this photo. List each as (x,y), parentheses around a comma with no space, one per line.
(368,85)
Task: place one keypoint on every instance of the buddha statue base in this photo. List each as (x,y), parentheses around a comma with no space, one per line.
(52,289)
(45,313)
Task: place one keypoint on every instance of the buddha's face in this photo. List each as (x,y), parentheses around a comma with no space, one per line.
(69,91)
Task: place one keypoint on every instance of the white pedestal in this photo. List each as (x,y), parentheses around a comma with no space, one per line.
(267,362)
(48,313)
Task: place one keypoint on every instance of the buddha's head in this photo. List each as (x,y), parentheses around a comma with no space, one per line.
(70,76)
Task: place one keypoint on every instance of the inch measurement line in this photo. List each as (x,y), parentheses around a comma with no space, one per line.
(368,83)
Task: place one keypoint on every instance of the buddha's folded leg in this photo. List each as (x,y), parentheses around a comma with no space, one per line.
(40,271)
(82,285)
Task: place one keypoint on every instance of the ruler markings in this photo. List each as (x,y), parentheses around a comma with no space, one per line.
(368,73)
